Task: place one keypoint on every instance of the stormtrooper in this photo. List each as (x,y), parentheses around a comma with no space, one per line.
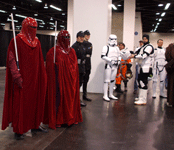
(158,69)
(112,56)
(143,58)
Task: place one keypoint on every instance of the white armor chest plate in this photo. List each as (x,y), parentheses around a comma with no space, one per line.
(113,52)
(147,61)
(159,57)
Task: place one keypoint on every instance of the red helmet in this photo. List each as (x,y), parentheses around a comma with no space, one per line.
(28,31)
(63,40)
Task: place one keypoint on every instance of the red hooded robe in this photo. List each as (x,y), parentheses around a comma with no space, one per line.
(69,111)
(24,107)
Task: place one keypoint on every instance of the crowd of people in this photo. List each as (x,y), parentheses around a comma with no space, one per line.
(35,94)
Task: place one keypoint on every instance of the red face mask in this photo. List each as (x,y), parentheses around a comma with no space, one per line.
(28,32)
(63,40)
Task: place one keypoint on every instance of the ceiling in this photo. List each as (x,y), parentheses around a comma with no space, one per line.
(148,9)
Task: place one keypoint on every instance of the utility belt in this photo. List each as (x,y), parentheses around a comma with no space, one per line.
(80,61)
(88,55)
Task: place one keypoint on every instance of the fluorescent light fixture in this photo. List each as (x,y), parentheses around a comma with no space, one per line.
(51,18)
(45,7)
(160,20)
(158,23)
(11,20)
(20,16)
(63,14)
(35,14)
(62,26)
(54,7)
(157,13)
(2,24)
(119,5)
(160,5)
(151,30)
(41,26)
(155,30)
(156,18)
(18,26)
(39,20)
(114,7)
(51,28)
(167,6)
(51,23)
(3,11)
(38,1)
(14,8)
(163,14)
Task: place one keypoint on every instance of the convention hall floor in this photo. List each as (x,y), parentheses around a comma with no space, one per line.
(115,125)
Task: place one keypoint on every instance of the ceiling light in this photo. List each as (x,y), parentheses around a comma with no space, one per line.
(167,6)
(62,26)
(35,14)
(172,29)
(51,23)
(114,7)
(14,8)
(163,14)
(54,7)
(156,18)
(3,11)
(20,16)
(157,13)
(51,18)
(11,20)
(119,5)
(39,20)
(153,25)
(63,14)
(45,7)
(155,30)
(160,20)
(160,5)
(38,1)
(51,28)
(41,26)
(158,23)
(151,30)
(2,24)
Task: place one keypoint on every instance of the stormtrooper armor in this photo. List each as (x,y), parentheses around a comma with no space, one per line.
(144,61)
(112,56)
(158,69)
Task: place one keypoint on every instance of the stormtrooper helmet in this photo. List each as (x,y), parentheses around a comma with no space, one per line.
(112,41)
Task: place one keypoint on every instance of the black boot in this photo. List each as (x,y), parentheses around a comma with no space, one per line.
(125,85)
(18,136)
(82,104)
(118,89)
(85,98)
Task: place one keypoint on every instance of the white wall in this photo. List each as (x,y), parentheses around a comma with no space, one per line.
(92,15)
(167,38)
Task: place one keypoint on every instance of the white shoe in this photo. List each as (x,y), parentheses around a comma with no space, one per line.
(105,98)
(142,97)
(136,99)
(113,97)
(140,102)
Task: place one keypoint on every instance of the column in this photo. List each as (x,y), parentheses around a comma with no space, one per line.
(129,23)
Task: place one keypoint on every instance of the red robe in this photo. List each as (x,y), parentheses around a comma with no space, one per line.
(25,107)
(69,111)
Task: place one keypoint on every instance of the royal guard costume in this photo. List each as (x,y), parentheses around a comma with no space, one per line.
(25,89)
(63,98)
